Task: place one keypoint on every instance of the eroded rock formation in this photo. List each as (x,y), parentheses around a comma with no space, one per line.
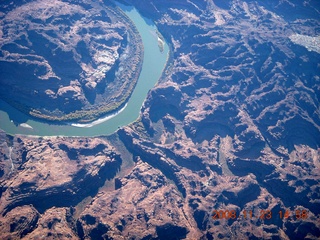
(67,61)
(232,125)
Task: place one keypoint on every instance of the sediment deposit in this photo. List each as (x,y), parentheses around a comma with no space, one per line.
(233,125)
(67,61)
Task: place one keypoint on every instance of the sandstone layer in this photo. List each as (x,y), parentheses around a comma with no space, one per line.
(233,125)
(67,60)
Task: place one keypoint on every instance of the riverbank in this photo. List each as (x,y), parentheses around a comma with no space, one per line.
(93,74)
(153,65)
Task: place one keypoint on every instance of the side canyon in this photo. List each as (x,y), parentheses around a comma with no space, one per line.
(232,124)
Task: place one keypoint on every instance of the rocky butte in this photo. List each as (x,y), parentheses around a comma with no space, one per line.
(227,145)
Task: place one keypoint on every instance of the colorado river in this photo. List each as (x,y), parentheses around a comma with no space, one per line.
(153,65)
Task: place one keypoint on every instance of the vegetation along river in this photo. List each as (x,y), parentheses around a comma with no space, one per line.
(153,64)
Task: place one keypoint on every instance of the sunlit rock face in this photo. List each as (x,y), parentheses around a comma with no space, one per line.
(233,125)
(60,57)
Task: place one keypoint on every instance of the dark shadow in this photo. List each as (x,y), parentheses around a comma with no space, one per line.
(207,130)
(242,168)
(15,115)
(201,217)
(159,110)
(291,13)
(169,171)
(225,4)
(97,232)
(70,194)
(123,5)
(171,232)
(90,95)
(248,194)
(74,153)
(300,230)
(267,177)
(148,21)
(194,163)
(297,131)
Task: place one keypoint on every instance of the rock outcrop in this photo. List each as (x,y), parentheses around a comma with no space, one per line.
(227,145)
(67,61)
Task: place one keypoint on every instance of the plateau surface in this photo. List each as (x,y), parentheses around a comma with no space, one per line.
(232,126)
(67,61)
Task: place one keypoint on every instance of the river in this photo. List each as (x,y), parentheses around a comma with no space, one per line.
(153,65)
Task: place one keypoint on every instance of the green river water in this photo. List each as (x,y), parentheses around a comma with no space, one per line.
(153,65)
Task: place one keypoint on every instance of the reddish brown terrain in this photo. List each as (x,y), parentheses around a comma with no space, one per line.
(232,125)
(66,60)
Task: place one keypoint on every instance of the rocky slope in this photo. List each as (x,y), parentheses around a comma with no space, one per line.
(232,125)
(65,60)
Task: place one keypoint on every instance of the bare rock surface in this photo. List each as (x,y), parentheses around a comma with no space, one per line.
(67,60)
(54,224)
(19,222)
(233,125)
(235,118)
(139,209)
(54,172)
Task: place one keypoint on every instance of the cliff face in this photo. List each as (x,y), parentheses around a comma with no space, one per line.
(46,176)
(67,61)
(233,125)
(234,122)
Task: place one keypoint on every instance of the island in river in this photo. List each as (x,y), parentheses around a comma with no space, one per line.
(67,61)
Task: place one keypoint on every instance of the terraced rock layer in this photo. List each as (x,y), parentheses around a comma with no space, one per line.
(67,60)
(232,125)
